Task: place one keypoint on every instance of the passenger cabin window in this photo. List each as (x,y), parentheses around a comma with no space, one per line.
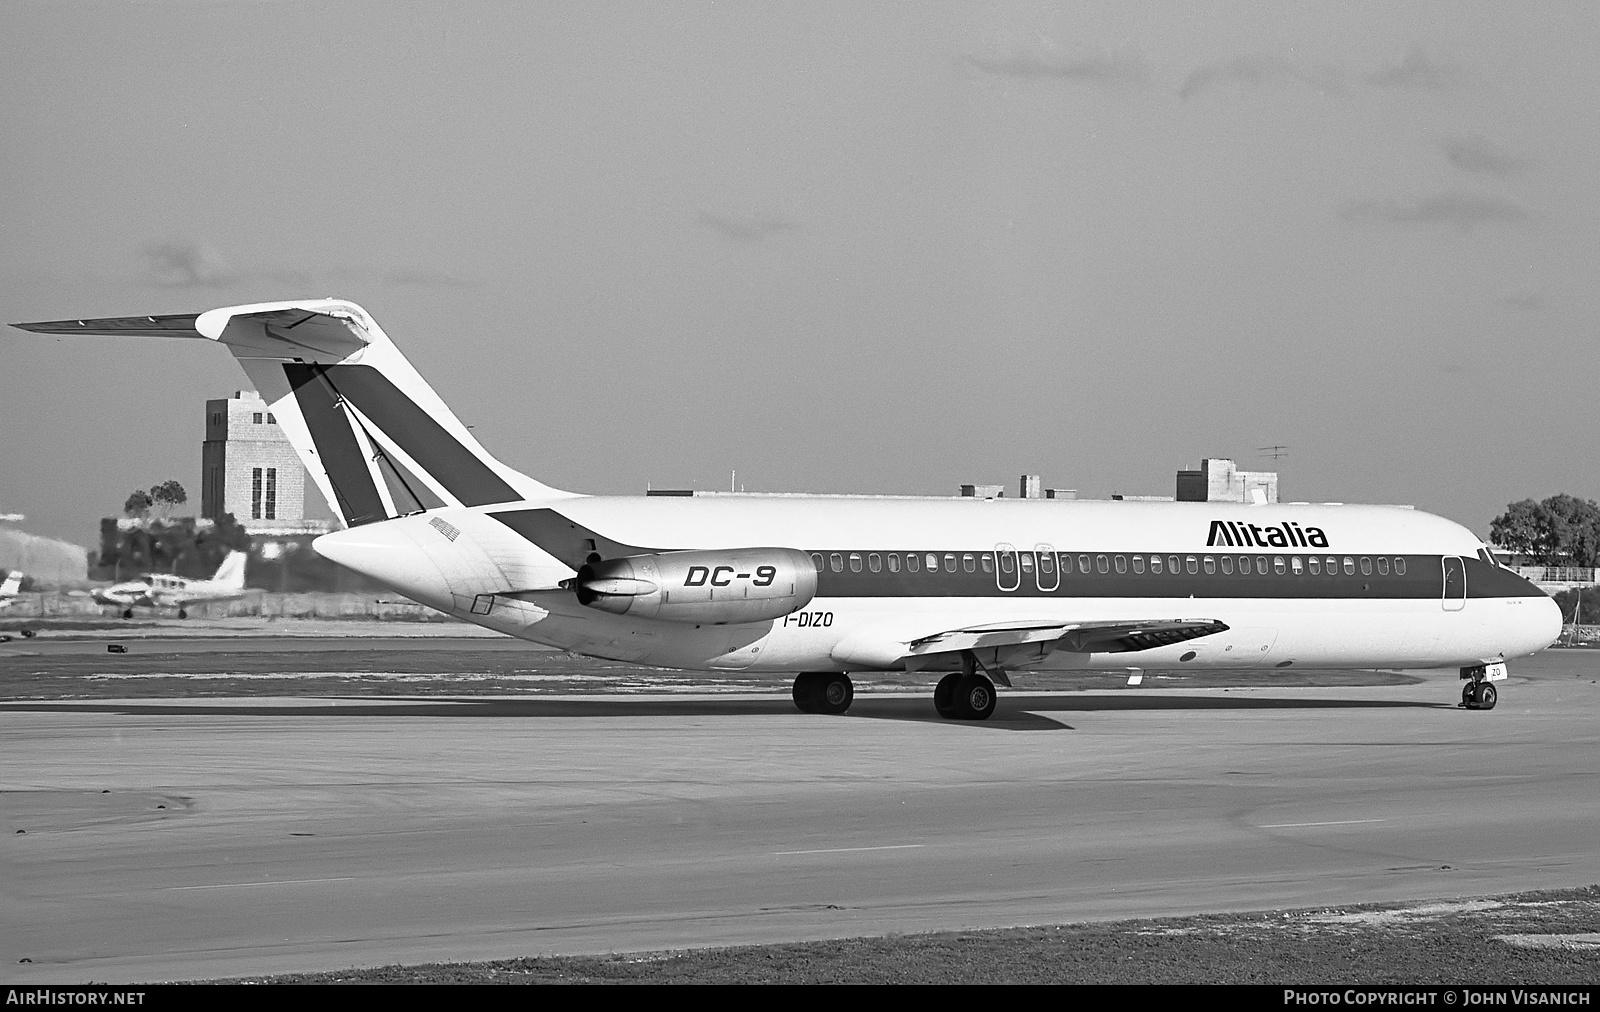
(836,562)
(1025,560)
(1314,564)
(1121,563)
(874,563)
(816,560)
(855,562)
(1172,564)
(912,562)
(969,563)
(1006,563)
(1366,566)
(1227,565)
(1261,564)
(1399,567)
(1102,564)
(1295,566)
(894,562)
(1138,563)
(949,562)
(933,562)
(988,562)
(1383,566)
(1083,563)
(1155,564)
(1192,564)
(1349,566)
(1277,565)
(1209,564)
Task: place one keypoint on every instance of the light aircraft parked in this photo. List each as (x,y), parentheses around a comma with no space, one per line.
(160,590)
(829,585)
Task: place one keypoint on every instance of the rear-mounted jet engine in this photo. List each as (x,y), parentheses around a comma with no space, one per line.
(714,587)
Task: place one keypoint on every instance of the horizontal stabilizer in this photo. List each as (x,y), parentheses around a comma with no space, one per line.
(375,438)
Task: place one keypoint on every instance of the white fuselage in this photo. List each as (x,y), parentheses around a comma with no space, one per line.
(1365,613)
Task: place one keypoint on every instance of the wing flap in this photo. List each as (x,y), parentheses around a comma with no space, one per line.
(1009,642)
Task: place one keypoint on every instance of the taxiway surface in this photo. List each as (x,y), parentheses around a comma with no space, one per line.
(169,839)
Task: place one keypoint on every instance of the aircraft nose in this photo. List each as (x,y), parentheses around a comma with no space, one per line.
(386,552)
(1546,626)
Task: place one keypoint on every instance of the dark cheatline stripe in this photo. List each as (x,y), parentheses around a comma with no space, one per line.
(1424,581)
(437,452)
(341,455)
(567,540)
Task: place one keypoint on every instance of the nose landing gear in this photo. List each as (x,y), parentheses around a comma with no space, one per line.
(1479,692)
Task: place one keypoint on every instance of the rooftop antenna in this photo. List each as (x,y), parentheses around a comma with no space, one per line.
(1275,451)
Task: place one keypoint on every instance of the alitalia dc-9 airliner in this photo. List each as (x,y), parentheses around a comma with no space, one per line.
(825,586)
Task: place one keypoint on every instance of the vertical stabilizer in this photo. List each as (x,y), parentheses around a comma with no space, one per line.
(230,575)
(374,436)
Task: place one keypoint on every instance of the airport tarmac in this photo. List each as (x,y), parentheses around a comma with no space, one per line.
(173,839)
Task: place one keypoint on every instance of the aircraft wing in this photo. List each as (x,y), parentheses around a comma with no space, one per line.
(1022,643)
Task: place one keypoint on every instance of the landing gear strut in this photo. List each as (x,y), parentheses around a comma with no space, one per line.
(1479,692)
(823,692)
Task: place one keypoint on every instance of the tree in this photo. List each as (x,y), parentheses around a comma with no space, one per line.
(1583,602)
(1563,530)
(138,504)
(168,494)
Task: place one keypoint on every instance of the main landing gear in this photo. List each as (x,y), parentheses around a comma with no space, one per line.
(1479,692)
(823,692)
(966,695)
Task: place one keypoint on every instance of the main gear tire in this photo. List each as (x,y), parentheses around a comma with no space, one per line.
(975,697)
(834,694)
(805,691)
(944,696)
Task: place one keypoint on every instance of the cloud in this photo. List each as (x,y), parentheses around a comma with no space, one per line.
(1478,154)
(1463,210)
(1526,302)
(743,228)
(1415,71)
(1256,71)
(1127,68)
(185,264)
(425,279)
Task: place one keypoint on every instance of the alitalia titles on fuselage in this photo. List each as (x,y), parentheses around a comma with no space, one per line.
(1232,534)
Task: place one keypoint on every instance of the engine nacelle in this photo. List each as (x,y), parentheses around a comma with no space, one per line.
(716,587)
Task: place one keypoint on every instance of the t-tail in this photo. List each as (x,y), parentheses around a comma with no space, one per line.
(373,435)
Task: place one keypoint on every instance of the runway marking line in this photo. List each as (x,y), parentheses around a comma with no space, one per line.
(1303,825)
(846,850)
(252,885)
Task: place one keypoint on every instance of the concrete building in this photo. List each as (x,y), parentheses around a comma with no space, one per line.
(1220,480)
(983,491)
(249,469)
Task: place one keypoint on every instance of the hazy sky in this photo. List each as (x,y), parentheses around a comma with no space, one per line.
(849,247)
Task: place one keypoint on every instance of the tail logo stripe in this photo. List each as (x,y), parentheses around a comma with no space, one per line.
(468,478)
(337,449)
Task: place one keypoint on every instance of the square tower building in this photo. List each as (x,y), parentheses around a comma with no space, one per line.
(249,469)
